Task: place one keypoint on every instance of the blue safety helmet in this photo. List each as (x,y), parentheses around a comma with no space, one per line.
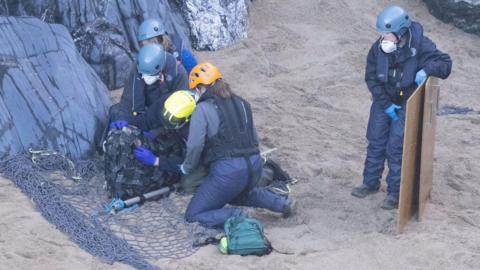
(393,19)
(151,59)
(150,28)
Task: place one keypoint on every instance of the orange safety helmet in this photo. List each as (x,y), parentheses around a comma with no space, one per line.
(203,73)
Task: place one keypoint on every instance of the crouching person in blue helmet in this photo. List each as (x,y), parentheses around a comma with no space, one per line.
(154,31)
(397,63)
(222,135)
(155,77)
(145,84)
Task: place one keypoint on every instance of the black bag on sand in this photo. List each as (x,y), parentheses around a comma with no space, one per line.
(125,176)
(275,178)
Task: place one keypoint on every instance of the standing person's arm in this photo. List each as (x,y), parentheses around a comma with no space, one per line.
(176,76)
(180,81)
(183,54)
(433,61)
(375,86)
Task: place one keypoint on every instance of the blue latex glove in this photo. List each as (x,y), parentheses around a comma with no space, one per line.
(145,155)
(390,111)
(149,135)
(420,77)
(119,124)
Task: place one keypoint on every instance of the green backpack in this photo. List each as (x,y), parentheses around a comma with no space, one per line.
(244,236)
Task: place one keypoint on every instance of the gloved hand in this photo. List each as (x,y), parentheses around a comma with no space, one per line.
(420,77)
(119,124)
(390,111)
(144,155)
(149,134)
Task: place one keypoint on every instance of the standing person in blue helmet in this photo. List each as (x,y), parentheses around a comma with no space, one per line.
(153,30)
(397,63)
(222,136)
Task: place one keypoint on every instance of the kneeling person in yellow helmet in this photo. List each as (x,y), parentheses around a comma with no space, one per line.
(168,113)
(174,115)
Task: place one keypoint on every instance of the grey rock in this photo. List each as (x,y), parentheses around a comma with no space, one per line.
(104,31)
(472,2)
(215,23)
(49,97)
(464,14)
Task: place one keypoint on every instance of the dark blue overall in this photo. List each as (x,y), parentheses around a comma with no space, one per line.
(391,80)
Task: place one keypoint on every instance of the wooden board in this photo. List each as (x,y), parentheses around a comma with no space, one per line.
(428,142)
(409,183)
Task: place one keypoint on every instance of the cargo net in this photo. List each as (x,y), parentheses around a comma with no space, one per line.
(73,198)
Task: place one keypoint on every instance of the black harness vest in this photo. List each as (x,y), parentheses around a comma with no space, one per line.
(235,137)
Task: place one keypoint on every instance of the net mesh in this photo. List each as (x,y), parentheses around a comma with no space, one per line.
(72,196)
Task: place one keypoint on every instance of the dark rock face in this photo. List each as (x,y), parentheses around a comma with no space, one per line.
(103,31)
(217,23)
(463,14)
(49,96)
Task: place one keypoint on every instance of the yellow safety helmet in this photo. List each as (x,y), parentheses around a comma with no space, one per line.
(178,108)
(203,73)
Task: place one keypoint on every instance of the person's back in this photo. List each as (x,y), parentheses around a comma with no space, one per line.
(230,131)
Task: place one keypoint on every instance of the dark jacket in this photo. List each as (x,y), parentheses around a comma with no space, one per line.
(138,96)
(387,75)
(152,118)
(214,135)
(177,46)
(182,53)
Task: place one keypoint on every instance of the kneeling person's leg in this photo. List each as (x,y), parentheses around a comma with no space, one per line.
(263,198)
(218,189)
(260,196)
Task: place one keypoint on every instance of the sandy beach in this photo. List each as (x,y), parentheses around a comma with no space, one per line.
(302,69)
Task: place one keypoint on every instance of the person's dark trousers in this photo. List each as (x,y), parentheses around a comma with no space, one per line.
(385,141)
(225,183)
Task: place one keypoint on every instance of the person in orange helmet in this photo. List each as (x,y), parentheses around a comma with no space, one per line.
(222,136)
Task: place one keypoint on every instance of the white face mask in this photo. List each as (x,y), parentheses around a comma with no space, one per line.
(149,80)
(388,46)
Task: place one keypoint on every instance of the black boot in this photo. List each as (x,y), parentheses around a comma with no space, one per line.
(390,202)
(362,191)
(289,208)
